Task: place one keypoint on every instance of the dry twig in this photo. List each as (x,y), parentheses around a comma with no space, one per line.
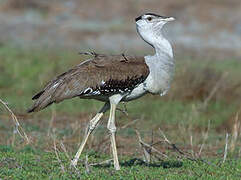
(101,163)
(148,148)
(204,139)
(53,117)
(235,131)
(18,128)
(64,149)
(124,111)
(192,146)
(87,166)
(213,91)
(226,148)
(130,123)
(57,156)
(174,147)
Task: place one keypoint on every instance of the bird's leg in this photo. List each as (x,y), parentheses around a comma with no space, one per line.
(112,128)
(89,129)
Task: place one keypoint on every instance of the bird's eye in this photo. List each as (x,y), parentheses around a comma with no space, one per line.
(149,18)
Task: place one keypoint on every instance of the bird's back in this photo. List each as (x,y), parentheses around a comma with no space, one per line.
(98,78)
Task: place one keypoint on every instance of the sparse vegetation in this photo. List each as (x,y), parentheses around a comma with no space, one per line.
(34,164)
(201,107)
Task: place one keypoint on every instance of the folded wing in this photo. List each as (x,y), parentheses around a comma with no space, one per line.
(101,76)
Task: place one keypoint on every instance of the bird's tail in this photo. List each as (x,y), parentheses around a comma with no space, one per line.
(42,100)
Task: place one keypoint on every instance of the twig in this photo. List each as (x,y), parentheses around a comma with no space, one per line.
(157,142)
(103,144)
(204,139)
(152,142)
(191,146)
(18,128)
(57,155)
(125,58)
(174,147)
(52,120)
(226,148)
(101,163)
(239,152)
(144,147)
(87,166)
(213,91)
(64,149)
(146,155)
(124,111)
(164,136)
(130,123)
(235,131)
(67,155)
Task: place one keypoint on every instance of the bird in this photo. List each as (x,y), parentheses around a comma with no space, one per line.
(115,78)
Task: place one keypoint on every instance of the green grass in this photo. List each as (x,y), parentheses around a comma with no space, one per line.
(181,115)
(29,163)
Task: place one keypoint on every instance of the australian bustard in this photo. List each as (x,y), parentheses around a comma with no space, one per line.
(115,78)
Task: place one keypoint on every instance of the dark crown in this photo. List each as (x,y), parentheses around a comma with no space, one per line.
(152,14)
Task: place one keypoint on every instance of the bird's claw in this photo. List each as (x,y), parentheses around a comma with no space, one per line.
(73,163)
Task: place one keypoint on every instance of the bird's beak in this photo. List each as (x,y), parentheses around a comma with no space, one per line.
(168,19)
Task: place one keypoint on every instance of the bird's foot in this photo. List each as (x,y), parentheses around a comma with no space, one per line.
(74,163)
(117,167)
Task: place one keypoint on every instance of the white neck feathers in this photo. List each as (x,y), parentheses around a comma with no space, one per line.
(162,47)
(157,41)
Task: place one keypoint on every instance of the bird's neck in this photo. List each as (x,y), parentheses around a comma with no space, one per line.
(161,66)
(163,57)
(162,48)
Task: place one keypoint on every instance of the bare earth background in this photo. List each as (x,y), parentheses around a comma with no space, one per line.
(201,114)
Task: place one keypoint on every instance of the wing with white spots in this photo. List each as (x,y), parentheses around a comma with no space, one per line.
(101,76)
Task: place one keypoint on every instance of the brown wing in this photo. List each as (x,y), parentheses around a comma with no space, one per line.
(102,75)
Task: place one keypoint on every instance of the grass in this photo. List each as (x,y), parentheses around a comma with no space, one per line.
(29,163)
(185,115)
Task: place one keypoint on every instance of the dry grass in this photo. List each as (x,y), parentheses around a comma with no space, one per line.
(205,84)
(236,130)
(18,128)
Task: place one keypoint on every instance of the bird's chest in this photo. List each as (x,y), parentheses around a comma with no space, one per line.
(159,79)
(157,83)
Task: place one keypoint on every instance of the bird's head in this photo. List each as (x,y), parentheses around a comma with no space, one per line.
(149,26)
